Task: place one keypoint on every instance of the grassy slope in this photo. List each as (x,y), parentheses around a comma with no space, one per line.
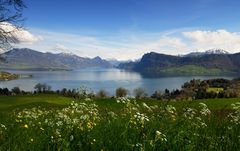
(52,100)
(193,70)
(10,102)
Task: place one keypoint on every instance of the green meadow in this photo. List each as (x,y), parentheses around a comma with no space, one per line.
(53,122)
(8,103)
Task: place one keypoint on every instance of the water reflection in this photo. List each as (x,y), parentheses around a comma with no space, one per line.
(96,79)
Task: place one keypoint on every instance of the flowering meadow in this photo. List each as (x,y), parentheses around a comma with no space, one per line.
(83,125)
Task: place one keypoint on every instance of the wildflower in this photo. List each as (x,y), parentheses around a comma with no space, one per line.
(25,126)
(88,99)
(204,109)
(170,109)
(189,113)
(93,141)
(160,136)
(123,100)
(59,123)
(138,145)
(229,128)
(31,139)
(146,106)
(235,116)
(3,126)
(173,117)
(112,114)
(71,138)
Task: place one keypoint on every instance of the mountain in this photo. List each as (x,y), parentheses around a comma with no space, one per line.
(211,51)
(116,62)
(34,60)
(211,63)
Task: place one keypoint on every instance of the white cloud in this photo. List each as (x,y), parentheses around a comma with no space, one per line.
(219,39)
(61,48)
(168,45)
(22,35)
(124,46)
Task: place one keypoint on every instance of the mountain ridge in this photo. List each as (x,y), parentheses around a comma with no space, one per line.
(162,64)
(25,58)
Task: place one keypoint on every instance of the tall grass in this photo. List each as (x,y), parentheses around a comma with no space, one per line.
(137,126)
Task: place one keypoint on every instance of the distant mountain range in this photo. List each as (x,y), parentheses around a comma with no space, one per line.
(28,59)
(213,62)
(116,62)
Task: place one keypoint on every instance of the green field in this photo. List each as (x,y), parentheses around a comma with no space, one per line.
(53,100)
(194,70)
(12,102)
(53,122)
(215,90)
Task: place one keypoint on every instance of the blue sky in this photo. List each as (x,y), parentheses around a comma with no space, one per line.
(126,29)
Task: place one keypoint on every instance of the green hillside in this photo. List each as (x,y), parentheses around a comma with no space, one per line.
(8,76)
(194,70)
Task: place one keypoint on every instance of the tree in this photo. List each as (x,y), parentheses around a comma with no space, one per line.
(38,87)
(121,92)
(102,94)
(63,92)
(10,21)
(42,87)
(5,91)
(139,92)
(157,95)
(46,87)
(85,92)
(16,90)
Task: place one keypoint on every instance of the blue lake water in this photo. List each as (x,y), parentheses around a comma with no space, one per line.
(96,79)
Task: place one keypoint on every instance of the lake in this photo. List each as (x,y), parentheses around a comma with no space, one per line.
(96,79)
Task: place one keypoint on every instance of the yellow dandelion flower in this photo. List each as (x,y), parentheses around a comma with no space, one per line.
(31,140)
(25,126)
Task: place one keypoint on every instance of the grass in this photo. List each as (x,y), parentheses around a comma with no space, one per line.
(52,122)
(193,70)
(10,102)
(213,104)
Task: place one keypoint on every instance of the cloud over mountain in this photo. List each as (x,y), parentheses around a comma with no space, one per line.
(132,45)
(219,39)
(21,35)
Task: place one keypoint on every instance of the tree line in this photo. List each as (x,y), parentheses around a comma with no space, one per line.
(192,90)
